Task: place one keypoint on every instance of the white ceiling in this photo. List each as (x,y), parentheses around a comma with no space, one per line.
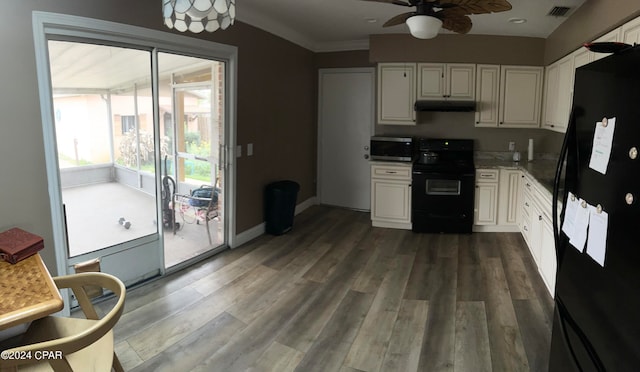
(330,25)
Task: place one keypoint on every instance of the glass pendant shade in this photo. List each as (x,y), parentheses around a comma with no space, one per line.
(198,15)
(423,26)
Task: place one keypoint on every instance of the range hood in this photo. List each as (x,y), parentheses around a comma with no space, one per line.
(458,106)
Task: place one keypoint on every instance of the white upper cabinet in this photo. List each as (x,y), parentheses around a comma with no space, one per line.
(508,96)
(487,95)
(630,32)
(581,57)
(455,81)
(431,81)
(558,94)
(396,93)
(627,33)
(612,36)
(520,96)
(550,95)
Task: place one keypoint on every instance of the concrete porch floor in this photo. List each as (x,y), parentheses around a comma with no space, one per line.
(92,222)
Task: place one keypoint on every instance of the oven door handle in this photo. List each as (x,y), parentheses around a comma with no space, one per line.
(441,174)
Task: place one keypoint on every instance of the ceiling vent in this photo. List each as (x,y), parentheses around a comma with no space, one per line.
(559,11)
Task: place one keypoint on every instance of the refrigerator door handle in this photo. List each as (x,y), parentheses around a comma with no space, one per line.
(556,184)
(565,319)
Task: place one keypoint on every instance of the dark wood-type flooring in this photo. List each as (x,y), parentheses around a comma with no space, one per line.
(336,294)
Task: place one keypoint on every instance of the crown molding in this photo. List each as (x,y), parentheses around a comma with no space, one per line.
(341,46)
(274,27)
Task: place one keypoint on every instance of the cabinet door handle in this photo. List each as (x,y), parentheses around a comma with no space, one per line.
(525,228)
(527,204)
(391,172)
(539,218)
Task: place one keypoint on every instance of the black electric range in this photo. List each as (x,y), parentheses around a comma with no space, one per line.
(443,186)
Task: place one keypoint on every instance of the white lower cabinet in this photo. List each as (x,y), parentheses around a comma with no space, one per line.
(486,197)
(537,229)
(497,198)
(548,263)
(509,197)
(391,195)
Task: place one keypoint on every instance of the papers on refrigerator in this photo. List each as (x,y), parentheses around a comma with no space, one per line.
(597,241)
(580,224)
(570,215)
(587,225)
(602,141)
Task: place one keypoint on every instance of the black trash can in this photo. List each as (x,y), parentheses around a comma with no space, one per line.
(280,206)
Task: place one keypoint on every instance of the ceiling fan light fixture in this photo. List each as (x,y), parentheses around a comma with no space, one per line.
(424,26)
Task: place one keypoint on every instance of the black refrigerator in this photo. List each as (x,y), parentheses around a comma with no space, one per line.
(596,324)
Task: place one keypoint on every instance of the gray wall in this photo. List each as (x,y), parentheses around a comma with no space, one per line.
(592,20)
(505,50)
(277,95)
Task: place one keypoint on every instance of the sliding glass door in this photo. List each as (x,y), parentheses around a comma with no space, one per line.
(193,178)
(106,150)
(136,125)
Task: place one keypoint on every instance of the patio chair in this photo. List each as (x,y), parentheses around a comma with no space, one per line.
(201,205)
(72,344)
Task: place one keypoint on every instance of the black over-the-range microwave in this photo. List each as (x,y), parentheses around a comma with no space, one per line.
(392,148)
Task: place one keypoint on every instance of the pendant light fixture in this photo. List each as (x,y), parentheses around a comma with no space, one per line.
(198,15)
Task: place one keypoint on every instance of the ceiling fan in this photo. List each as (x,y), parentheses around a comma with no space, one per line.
(452,15)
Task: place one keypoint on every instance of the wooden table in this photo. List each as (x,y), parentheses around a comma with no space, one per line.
(27,292)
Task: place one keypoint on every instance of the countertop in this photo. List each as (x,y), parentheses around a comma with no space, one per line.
(542,170)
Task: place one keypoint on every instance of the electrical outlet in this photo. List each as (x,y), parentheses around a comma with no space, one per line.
(238,151)
(512,146)
(250,149)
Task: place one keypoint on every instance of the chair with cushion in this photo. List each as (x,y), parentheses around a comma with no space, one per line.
(72,344)
(200,206)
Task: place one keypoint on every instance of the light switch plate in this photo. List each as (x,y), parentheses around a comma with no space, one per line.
(250,149)
(238,151)
(512,146)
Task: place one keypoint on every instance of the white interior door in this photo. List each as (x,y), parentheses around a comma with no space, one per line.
(345,126)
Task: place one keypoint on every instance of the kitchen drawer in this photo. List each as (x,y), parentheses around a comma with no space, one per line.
(396,172)
(527,202)
(526,227)
(487,175)
(528,185)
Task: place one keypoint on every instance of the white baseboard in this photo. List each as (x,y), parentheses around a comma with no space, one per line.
(258,230)
(248,235)
(306,204)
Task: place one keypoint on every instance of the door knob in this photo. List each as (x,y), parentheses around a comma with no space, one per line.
(366,156)
(366,148)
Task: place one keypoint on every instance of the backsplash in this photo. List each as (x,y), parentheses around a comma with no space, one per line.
(508,156)
(461,125)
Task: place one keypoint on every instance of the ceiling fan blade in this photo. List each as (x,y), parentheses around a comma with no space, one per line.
(464,7)
(397,20)
(396,2)
(460,24)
